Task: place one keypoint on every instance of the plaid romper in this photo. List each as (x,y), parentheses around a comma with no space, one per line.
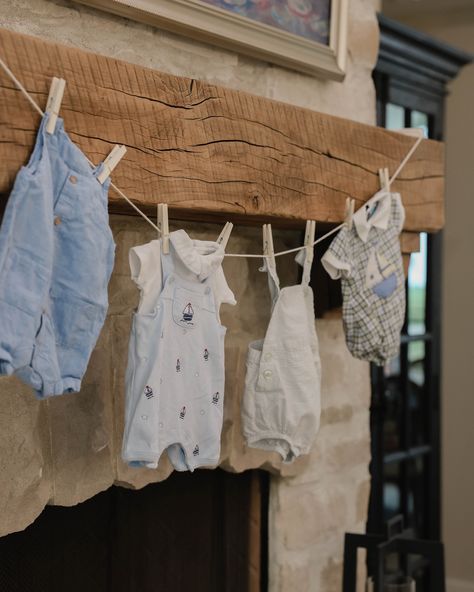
(368,260)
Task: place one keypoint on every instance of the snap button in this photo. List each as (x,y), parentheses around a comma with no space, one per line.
(196,374)
(267,374)
(144,358)
(267,357)
(160,424)
(57,220)
(202,412)
(73,179)
(144,417)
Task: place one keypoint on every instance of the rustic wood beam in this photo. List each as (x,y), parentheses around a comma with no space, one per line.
(208,151)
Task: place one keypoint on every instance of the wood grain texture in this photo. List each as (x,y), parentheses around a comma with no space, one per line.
(208,151)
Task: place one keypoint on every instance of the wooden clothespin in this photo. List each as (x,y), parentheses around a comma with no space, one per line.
(384,179)
(112,160)
(163,227)
(309,240)
(268,249)
(224,236)
(350,206)
(53,106)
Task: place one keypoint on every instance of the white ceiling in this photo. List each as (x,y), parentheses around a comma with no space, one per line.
(397,8)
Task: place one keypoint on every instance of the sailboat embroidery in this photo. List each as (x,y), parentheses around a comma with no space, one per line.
(215,398)
(381,275)
(188,313)
(148,392)
(182,413)
(196,450)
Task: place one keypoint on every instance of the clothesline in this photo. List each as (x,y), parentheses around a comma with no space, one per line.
(35,106)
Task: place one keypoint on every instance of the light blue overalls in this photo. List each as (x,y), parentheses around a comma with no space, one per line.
(56,257)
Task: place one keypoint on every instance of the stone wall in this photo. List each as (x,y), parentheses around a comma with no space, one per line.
(65,450)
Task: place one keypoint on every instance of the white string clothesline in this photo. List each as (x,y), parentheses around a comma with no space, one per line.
(35,106)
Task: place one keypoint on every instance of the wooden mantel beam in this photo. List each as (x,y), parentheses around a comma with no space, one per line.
(206,150)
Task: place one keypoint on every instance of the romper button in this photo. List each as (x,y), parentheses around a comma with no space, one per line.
(160,424)
(73,179)
(57,220)
(144,358)
(202,412)
(144,417)
(267,374)
(196,374)
(267,357)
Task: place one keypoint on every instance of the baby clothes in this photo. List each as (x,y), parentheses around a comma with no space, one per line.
(281,404)
(175,373)
(368,260)
(56,257)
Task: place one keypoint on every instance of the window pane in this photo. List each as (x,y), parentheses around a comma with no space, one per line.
(392,499)
(419,119)
(394,116)
(417,401)
(392,426)
(417,289)
(416,517)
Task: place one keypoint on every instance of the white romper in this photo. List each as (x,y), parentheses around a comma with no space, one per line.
(175,373)
(281,406)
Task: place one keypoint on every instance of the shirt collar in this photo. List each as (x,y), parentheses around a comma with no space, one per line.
(201,257)
(376,214)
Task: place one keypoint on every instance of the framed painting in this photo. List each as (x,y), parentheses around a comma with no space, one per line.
(305,35)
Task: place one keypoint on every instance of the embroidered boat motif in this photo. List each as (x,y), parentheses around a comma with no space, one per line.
(206,355)
(196,450)
(178,365)
(381,275)
(182,413)
(148,392)
(215,398)
(370,210)
(188,313)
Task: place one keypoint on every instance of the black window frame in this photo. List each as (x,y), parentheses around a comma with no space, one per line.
(413,71)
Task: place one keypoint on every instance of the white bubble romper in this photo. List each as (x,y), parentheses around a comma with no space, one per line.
(281,405)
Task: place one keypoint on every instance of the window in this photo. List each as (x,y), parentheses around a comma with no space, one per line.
(410,79)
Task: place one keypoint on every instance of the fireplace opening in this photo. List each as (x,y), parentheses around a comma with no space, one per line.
(199,532)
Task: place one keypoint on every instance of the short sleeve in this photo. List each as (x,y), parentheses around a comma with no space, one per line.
(336,260)
(145,268)
(222,292)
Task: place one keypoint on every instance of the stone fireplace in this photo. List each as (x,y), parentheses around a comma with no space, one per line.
(65,451)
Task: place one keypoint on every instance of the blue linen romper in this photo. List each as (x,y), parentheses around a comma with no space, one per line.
(56,257)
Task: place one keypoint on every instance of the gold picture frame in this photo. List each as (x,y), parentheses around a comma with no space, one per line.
(212,24)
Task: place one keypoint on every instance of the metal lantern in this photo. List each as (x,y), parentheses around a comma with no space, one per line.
(396,540)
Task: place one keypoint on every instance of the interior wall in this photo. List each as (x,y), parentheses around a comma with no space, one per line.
(456,26)
(67,449)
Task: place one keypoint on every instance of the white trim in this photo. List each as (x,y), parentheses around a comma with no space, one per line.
(218,26)
(459,585)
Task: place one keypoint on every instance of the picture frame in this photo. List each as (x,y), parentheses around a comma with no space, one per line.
(204,21)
